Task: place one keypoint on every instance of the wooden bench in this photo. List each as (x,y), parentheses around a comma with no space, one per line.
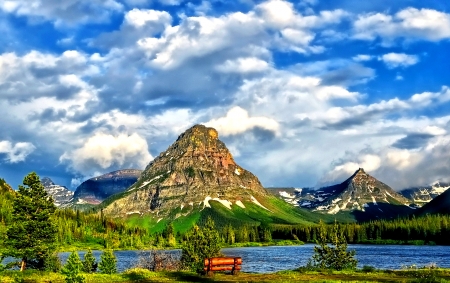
(222,264)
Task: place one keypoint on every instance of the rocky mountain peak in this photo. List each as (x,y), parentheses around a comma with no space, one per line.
(359,192)
(46,182)
(196,168)
(61,195)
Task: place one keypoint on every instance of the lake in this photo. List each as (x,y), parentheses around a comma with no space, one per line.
(276,258)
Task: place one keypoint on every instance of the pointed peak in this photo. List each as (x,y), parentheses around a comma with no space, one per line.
(360,170)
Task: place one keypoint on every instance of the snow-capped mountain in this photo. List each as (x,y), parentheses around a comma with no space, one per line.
(61,195)
(423,195)
(359,192)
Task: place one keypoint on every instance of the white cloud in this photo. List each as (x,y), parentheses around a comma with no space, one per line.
(68,12)
(243,65)
(368,162)
(102,151)
(238,121)
(139,18)
(362,57)
(410,24)
(395,60)
(16,152)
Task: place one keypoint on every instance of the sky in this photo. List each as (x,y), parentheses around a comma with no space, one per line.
(303,93)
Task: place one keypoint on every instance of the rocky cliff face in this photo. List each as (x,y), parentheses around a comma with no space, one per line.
(358,192)
(61,195)
(97,189)
(195,169)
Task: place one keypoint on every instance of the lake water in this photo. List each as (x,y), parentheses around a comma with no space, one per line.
(271,259)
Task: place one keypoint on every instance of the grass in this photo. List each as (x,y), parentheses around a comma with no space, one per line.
(142,275)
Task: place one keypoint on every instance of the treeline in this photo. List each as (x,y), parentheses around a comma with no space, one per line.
(88,228)
(429,229)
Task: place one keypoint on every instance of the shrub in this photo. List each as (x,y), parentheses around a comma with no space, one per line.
(159,260)
(89,264)
(332,257)
(73,268)
(108,262)
(52,263)
(200,244)
(368,268)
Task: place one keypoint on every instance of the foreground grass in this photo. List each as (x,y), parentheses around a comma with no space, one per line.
(142,275)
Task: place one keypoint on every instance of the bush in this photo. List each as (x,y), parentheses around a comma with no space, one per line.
(73,268)
(108,262)
(332,257)
(52,263)
(89,264)
(159,260)
(200,244)
(368,268)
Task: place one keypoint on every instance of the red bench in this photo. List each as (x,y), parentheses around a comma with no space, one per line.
(222,264)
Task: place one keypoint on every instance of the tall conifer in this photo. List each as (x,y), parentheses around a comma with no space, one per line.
(31,234)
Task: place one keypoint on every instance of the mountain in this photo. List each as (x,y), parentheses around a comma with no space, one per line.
(195,176)
(440,204)
(97,189)
(423,195)
(61,195)
(360,197)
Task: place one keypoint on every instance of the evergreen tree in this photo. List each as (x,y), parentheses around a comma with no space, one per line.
(169,235)
(108,262)
(72,269)
(89,264)
(200,244)
(31,234)
(332,257)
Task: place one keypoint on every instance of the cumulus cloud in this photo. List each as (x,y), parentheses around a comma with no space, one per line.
(346,117)
(238,121)
(410,24)
(16,152)
(369,162)
(395,60)
(102,152)
(67,12)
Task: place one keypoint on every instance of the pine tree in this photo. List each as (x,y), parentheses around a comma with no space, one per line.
(332,257)
(31,236)
(89,264)
(200,244)
(72,269)
(108,262)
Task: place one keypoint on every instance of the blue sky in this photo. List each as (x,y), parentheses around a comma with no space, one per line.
(303,92)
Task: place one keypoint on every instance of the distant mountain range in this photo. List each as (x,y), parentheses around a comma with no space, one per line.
(440,204)
(197,176)
(93,191)
(423,195)
(97,189)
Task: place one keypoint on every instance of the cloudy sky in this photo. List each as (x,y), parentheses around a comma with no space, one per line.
(302,92)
